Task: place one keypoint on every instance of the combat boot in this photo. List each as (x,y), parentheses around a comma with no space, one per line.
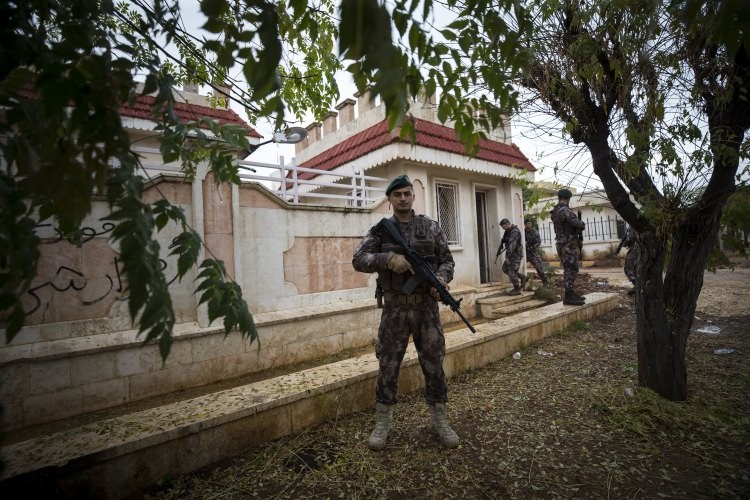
(545,281)
(516,291)
(383,426)
(441,426)
(571,299)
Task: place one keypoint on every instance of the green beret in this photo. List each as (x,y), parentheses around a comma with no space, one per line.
(565,194)
(397,183)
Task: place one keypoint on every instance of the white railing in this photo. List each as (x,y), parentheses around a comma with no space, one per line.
(352,188)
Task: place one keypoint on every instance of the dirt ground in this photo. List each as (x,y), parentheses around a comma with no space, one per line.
(566,420)
(725,293)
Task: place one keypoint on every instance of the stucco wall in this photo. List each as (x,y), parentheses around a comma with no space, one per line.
(80,353)
(80,290)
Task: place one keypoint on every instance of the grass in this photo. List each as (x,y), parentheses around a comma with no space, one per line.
(547,294)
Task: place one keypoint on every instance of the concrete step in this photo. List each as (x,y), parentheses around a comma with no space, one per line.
(120,456)
(489,304)
(556,263)
(501,312)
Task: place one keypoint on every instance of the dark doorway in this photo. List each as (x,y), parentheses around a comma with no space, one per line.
(483,237)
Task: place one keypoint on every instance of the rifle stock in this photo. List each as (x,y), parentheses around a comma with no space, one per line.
(580,234)
(619,247)
(500,251)
(423,272)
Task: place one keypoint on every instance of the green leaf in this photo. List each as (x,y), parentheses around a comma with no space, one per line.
(214,8)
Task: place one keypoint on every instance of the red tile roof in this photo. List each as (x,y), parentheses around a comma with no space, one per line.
(141,108)
(428,134)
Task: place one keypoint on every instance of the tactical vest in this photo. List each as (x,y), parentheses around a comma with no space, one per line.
(422,240)
(563,232)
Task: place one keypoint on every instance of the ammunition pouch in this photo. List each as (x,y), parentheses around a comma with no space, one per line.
(403,300)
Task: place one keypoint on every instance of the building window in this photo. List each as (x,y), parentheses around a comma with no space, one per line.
(447,211)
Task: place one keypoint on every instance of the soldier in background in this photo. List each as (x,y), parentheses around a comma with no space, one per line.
(567,228)
(513,254)
(533,241)
(414,314)
(631,258)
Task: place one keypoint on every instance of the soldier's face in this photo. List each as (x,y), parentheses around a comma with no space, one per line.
(505,226)
(402,199)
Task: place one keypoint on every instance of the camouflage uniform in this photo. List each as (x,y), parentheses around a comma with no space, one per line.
(533,241)
(513,254)
(631,258)
(567,227)
(416,314)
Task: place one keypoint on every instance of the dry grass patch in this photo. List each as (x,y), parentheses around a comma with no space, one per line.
(565,420)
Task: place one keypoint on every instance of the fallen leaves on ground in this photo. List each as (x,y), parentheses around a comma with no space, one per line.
(566,420)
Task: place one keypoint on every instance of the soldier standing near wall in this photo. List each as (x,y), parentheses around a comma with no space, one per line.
(631,258)
(513,254)
(567,228)
(416,313)
(533,241)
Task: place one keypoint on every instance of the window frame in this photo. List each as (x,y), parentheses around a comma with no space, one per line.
(454,188)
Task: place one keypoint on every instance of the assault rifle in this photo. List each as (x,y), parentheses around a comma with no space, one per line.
(500,250)
(580,238)
(423,272)
(622,242)
(503,246)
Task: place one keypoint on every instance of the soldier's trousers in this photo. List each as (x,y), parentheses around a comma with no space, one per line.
(510,267)
(422,321)
(568,254)
(536,261)
(631,259)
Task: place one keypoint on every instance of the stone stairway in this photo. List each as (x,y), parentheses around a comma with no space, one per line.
(119,456)
(502,305)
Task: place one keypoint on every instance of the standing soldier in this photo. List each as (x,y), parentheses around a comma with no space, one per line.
(533,241)
(567,228)
(404,314)
(513,254)
(631,258)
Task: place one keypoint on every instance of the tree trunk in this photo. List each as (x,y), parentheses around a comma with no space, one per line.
(661,349)
(665,308)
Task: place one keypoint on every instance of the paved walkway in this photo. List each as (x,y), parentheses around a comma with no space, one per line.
(614,275)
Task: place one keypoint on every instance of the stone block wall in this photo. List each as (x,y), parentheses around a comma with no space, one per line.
(87,374)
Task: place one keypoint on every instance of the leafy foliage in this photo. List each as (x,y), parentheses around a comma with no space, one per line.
(735,220)
(66,69)
(223,298)
(657,92)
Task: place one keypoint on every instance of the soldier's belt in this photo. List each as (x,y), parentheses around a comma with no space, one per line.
(401,299)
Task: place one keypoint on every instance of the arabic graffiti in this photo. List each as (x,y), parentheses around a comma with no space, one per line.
(76,281)
(86,233)
(83,268)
